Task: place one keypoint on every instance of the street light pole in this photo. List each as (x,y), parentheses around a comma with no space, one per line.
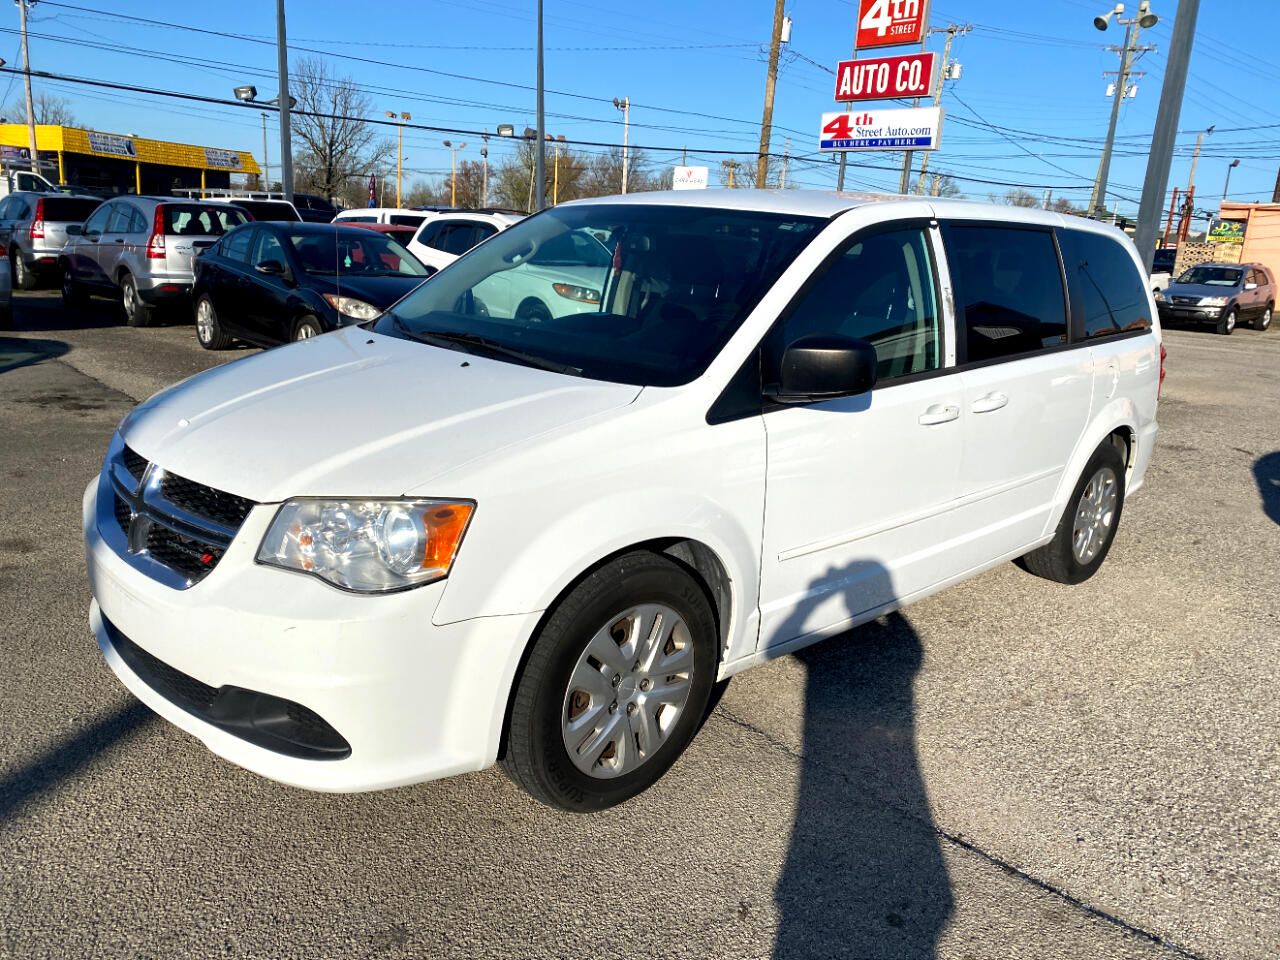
(1132,27)
(266,160)
(453,170)
(1227,186)
(625,106)
(484,181)
(23,5)
(286,134)
(399,118)
(540,148)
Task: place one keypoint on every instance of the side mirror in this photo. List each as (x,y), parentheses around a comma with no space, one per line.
(1251,286)
(74,230)
(272,268)
(823,367)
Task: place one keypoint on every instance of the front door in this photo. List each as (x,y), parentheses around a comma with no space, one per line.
(83,250)
(856,512)
(267,317)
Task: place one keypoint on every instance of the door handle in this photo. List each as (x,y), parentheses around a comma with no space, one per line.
(937,413)
(992,401)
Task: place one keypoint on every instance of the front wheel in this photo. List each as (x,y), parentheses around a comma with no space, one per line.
(208,330)
(1264,319)
(307,328)
(615,687)
(1088,525)
(1227,323)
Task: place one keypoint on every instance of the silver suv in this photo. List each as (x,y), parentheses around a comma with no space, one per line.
(142,249)
(33,229)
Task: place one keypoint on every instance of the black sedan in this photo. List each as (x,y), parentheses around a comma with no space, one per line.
(268,283)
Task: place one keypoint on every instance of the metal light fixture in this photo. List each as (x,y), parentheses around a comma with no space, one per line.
(1104,21)
(1146,19)
(506,130)
(247,93)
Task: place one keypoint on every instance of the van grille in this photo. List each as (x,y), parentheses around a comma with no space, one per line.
(173,528)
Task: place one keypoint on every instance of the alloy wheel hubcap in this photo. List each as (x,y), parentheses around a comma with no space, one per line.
(130,299)
(627,691)
(1266,319)
(204,321)
(305,332)
(1231,320)
(1095,515)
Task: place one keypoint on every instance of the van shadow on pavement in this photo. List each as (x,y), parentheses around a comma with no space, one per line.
(864,875)
(18,352)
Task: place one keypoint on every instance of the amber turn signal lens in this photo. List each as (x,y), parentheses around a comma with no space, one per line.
(445,524)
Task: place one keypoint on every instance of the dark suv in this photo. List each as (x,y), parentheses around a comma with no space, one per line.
(1222,294)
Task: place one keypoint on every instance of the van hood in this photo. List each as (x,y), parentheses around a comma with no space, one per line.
(353,414)
(1200,290)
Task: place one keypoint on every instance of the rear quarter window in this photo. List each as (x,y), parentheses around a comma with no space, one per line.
(1108,291)
(194,220)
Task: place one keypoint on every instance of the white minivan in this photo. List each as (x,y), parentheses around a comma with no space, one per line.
(546,540)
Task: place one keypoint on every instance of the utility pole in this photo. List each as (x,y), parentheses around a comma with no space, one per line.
(1189,198)
(951,31)
(540,148)
(23,6)
(848,108)
(286,134)
(1168,227)
(624,104)
(786,158)
(771,81)
(484,180)
(937,185)
(904,183)
(1132,27)
(1166,130)
(266,159)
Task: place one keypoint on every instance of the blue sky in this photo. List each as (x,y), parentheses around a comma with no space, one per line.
(695,75)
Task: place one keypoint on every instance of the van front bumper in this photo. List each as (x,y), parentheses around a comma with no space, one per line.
(298,681)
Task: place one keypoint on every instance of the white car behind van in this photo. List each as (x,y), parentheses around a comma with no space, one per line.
(543,539)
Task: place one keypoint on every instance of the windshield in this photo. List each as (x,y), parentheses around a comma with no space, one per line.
(630,293)
(367,256)
(1212,276)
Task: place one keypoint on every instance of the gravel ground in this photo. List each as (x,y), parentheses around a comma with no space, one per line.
(1009,769)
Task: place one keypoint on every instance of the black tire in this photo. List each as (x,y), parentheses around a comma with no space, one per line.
(73,294)
(24,277)
(137,313)
(533,309)
(210,335)
(536,756)
(1263,320)
(1057,559)
(306,328)
(6,315)
(1227,322)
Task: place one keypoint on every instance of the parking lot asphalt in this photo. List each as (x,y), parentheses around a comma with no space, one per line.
(1012,768)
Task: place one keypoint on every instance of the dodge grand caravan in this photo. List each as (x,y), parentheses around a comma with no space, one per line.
(546,539)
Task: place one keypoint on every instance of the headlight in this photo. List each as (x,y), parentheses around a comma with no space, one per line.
(369,546)
(1214,301)
(1158,294)
(572,291)
(353,308)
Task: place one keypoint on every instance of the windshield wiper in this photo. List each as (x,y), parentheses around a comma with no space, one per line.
(483,345)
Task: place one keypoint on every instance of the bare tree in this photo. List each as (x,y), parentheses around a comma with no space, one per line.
(470,185)
(511,183)
(946,186)
(49,109)
(338,145)
(1017,197)
(604,173)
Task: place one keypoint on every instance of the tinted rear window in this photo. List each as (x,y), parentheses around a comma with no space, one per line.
(406,219)
(69,209)
(269,210)
(1110,291)
(200,220)
(1008,290)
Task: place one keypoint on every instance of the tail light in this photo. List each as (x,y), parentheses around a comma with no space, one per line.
(1163,353)
(155,246)
(37,224)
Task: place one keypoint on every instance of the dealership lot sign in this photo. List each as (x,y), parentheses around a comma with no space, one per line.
(891,23)
(689,178)
(885,78)
(919,128)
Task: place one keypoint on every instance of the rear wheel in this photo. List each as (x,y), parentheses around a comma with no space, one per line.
(73,295)
(1227,322)
(208,331)
(24,278)
(616,685)
(136,311)
(1264,319)
(307,328)
(1088,525)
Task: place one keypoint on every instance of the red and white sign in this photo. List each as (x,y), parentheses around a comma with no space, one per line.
(889,23)
(885,78)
